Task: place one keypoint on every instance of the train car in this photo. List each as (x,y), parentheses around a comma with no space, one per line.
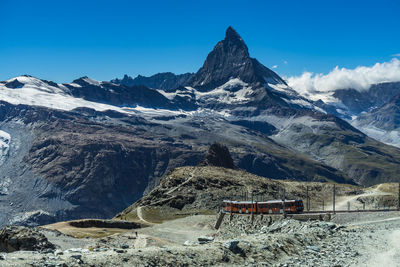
(267,207)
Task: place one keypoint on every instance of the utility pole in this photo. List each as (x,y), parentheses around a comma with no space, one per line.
(333,197)
(231,214)
(252,206)
(308,201)
(398,200)
(284,203)
(323,205)
(348,205)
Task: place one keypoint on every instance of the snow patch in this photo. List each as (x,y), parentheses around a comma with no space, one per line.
(152,112)
(4,185)
(5,139)
(74,85)
(304,103)
(225,94)
(91,81)
(32,82)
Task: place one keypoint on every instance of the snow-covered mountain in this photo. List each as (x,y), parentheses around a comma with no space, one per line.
(382,123)
(90,148)
(373,110)
(350,103)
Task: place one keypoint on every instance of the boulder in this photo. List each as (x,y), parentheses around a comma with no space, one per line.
(189,243)
(232,245)
(15,238)
(205,239)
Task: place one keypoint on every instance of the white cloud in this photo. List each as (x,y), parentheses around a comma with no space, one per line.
(360,78)
(275,66)
(396,55)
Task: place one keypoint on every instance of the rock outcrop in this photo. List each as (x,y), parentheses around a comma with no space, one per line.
(15,238)
(218,155)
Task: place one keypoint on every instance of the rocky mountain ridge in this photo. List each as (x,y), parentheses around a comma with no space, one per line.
(167,81)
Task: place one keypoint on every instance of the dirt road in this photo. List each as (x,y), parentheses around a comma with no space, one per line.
(380,245)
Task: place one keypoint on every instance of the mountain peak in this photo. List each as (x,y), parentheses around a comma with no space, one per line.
(86,80)
(228,60)
(231,33)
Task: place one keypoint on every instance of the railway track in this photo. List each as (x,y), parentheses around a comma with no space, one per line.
(347,211)
(320,212)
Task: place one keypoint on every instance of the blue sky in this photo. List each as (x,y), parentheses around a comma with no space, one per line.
(63,40)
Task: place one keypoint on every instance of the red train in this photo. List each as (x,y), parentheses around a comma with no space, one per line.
(272,206)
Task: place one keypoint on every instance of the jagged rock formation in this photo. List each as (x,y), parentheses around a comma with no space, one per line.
(376,96)
(218,155)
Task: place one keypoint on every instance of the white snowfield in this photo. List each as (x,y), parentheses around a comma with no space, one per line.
(38,93)
(225,94)
(35,92)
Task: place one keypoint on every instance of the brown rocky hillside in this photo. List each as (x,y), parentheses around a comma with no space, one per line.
(193,190)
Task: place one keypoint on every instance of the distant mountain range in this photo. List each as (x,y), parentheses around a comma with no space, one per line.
(166,81)
(91,148)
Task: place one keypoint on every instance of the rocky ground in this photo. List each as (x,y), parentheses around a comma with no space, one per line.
(363,239)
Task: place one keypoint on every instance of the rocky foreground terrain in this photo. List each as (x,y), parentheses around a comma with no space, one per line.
(174,225)
(348,240)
